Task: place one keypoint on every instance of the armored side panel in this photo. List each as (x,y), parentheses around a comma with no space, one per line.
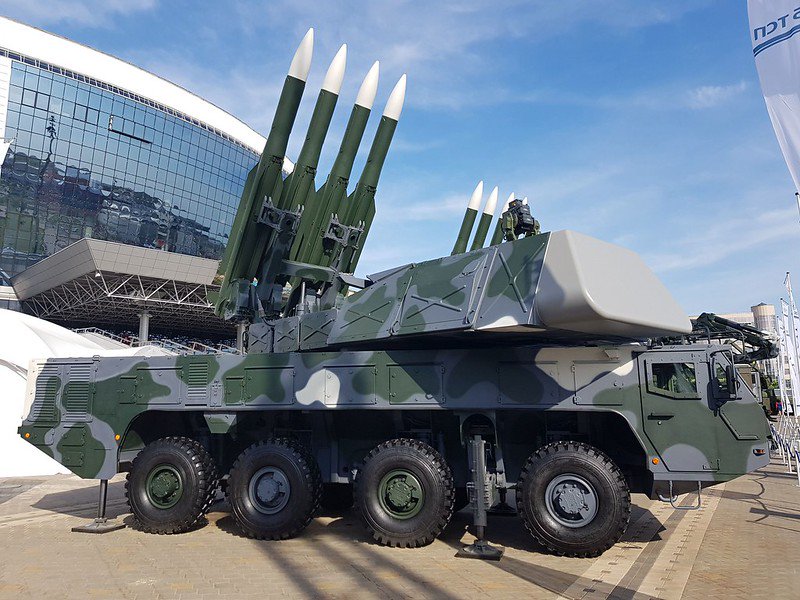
(78,407)
(561,285)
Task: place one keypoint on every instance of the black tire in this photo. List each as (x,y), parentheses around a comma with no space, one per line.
(171,485)
(289,500)
(590,504)
(425,517)
(337,497)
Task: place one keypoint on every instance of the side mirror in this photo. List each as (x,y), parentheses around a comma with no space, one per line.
(730,375)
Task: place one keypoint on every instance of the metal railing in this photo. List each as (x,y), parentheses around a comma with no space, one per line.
(192,347)
(786,439)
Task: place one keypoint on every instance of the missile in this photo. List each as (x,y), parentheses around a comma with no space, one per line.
(247,239)
(361,203)
(462,239)
(357,123)
(486,220)
(334,193)
(300,191)
(297,184)
(497,236)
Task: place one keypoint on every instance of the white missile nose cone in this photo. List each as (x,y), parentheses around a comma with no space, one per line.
(301,63)
(477,196)
(394,105)
(335,74)
(491,202)
(369,87)
(510,198)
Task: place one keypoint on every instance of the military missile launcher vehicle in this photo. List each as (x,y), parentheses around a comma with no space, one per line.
(529,365)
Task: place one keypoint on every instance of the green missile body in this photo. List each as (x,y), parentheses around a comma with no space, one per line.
(333,194)
(486,220)
(362,201)
(467,223)
(497,236)
(247,238)
(299,190)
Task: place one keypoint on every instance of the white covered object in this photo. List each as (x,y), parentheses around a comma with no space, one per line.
(22,339)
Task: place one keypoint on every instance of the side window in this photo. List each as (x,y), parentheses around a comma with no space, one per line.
(721,379)
(678,380)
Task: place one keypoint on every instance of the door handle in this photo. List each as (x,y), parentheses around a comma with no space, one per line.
(660,417)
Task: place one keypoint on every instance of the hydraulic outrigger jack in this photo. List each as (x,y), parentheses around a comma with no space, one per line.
(479,498)
(101,524)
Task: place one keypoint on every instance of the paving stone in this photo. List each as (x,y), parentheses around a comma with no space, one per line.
(743,544)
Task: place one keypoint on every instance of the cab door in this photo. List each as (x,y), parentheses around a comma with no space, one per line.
(676,415)
(739,408)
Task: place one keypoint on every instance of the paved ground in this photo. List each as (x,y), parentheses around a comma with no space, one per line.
(745,543)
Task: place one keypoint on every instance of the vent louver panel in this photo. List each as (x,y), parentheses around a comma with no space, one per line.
(197,381)
(48,384)
(77,393)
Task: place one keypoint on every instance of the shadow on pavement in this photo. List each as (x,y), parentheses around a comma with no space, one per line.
(773,513)
(83,500)
(360,562)
(12,487)
(368,564)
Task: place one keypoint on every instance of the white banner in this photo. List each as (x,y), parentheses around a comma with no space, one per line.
(775,34)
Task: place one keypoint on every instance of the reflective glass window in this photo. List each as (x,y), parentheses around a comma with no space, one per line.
(69,174)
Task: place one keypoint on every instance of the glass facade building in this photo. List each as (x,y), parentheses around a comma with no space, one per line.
(84,158)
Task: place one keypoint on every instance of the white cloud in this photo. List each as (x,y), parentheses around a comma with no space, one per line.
(709,96)
(89,13)
(716,238)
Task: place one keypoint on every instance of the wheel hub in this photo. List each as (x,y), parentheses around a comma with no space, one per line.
(571,500)
(269,490)
(164,486)
(401,494)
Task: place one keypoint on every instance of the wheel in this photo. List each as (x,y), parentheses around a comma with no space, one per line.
(171,485)
(337,496)
(404,493)
(573,499)
(274,489)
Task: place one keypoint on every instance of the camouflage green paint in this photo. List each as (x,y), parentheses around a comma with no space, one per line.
(530,378)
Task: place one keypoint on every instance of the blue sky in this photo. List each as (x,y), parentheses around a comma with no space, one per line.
(637,122)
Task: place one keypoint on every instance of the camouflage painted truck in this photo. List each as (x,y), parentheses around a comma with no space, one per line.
(526,365)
